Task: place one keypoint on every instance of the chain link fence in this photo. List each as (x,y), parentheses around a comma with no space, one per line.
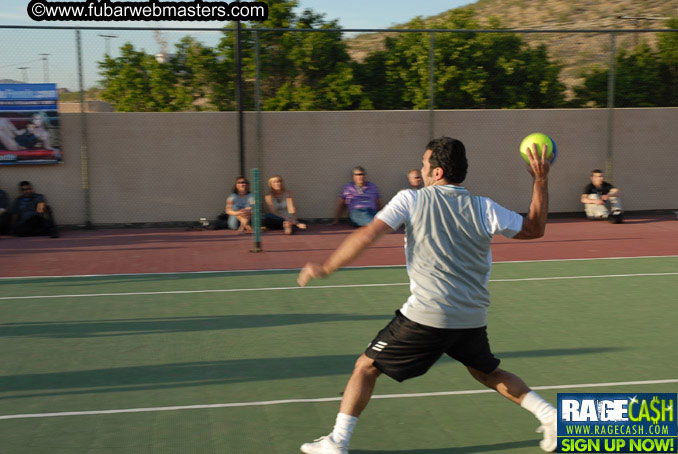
(151,132)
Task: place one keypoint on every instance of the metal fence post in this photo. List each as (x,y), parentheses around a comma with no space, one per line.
(84,158)
(610,107)
(239,97)
(431,84)
(256,173)
(257,99)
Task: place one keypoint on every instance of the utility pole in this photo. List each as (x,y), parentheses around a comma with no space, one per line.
(45,66)
(108,42)
(24,73)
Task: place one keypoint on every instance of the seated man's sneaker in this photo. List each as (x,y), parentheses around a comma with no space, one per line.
(616,218)
(549,430)
(324,445)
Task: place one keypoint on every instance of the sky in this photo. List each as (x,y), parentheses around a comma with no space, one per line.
(351,13)
(21,48)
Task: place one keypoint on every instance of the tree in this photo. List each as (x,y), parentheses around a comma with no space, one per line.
(203,75)
(313,70)
(667,45)
(137,82)
(472,70)
(637,81)
(299,70)
(644,76)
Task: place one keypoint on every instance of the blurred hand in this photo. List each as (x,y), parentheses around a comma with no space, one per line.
(311,271)
(539,166)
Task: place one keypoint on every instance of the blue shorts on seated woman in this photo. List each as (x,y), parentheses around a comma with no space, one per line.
(361,216)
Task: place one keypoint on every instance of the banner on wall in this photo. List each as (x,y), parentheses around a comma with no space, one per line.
(29,124)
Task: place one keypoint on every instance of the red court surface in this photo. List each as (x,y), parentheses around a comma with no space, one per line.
(123,251)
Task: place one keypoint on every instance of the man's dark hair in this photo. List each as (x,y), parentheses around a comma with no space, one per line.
(358,169)
(24,183)
(596,171)
(450,155)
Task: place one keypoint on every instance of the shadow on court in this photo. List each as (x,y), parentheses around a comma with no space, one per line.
(145,326)
(178,375)
(141,278)
(460,450)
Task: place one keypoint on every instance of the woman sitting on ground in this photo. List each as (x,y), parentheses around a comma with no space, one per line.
(239,206)
(281,210)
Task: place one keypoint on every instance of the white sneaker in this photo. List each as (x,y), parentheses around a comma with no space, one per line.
(550,431)
(324,445)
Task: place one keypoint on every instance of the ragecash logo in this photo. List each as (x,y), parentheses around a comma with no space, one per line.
(617,422)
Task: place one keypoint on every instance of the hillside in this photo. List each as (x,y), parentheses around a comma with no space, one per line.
(576,52)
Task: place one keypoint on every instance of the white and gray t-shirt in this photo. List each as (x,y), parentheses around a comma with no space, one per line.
(447,246)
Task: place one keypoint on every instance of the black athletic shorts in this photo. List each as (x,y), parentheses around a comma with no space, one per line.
(406,349)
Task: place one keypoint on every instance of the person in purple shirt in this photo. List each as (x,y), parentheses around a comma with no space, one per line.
(361,197)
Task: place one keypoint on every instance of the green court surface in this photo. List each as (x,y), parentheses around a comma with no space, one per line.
(134,342)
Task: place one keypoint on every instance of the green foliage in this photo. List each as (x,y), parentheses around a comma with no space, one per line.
(193,78)
(472,70)
(313,70)
(135,81)
(299,71)
(644,76)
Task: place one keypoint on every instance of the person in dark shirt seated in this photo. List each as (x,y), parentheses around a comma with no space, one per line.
(31,214)
(601,200)
(5,216)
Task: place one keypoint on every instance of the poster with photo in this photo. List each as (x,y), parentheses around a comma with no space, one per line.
(29,124)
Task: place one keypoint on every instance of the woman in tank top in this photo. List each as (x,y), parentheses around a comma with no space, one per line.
(281,210)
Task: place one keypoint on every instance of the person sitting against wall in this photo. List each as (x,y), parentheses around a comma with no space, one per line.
(602,200)
(414,179)
(5,215)
(239,206)
(281,209)
(31,216)
(361,197)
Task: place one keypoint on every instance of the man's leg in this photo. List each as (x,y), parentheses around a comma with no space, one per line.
(32,226)
(360,387)
(5,223)
(615,204)
(356,397)
(233,222)
(514,389)
(50,223)
(616,210)
(594,211)
(505,383)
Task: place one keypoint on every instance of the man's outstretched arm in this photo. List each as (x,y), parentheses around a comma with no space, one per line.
(352,246)
(534,224)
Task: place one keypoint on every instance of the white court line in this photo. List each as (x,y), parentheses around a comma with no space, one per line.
(322,399)
(265,289)
(268,270)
